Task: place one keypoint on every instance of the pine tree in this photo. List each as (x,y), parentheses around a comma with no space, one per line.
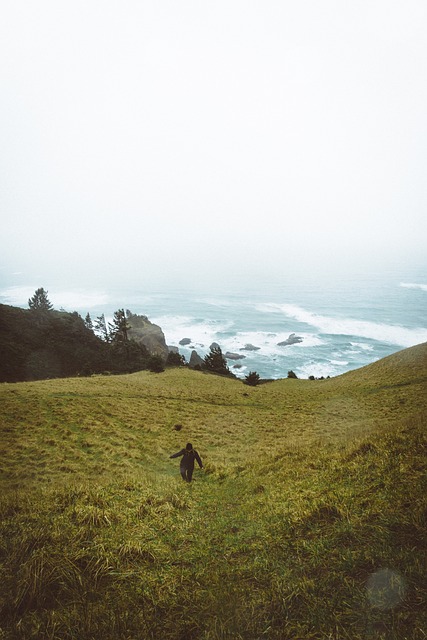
(119,327)
(101,328)
(40,301)
(252,379)
(88,322)
(215,361)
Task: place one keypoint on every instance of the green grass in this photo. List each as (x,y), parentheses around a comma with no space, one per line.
(308,521)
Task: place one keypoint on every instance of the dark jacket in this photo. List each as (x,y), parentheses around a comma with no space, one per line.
(188,457)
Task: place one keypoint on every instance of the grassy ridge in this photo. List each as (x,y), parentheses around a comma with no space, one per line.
(308,521)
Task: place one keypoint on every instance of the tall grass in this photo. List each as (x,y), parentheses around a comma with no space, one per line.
(289,532)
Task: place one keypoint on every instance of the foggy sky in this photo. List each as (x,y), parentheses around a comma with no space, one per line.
(148,141)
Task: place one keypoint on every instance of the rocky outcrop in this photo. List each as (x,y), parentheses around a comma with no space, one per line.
(185,341)
(195,360)
(293,339)
(234,356)
(172,349)
(146,333)
(249,347)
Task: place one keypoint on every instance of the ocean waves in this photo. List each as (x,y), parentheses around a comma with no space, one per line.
(334,325)
(330,344)
(414,285)
(340,327)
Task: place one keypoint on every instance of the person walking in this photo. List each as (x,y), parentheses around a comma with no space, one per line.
(186,467)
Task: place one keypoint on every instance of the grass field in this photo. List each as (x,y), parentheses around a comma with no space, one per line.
(308,520)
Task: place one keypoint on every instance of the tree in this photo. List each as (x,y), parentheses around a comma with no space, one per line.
(119,327)
(175,359)
(215,361)
(155,364)
(40,301)
(88,322)
(252,379)
(101,328)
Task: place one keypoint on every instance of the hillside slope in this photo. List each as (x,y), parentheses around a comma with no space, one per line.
(308,521)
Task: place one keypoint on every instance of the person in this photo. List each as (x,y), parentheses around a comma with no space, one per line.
(186,466)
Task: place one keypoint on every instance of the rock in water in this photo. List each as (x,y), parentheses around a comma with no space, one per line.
(293,339)
(234,356)
(249,347)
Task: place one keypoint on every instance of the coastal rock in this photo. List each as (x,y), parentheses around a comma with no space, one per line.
(249,347)
(293,339)
(214,345)
(185,341)
(172,349)
(195,360)
(145,332)
(234,356)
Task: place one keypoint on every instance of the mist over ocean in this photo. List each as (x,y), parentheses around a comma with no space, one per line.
(343,322)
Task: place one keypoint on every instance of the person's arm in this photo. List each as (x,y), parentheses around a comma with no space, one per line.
(176,455)
(196,455)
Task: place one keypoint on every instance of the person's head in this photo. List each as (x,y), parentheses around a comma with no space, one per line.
(189,446)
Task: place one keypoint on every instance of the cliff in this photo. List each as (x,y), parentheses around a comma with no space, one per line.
(148,334)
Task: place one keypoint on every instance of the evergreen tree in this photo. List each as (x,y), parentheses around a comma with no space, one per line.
(101,328)
(40,301)
(119,327)
(175,359)
(215,361)
(252,379)
(88,322)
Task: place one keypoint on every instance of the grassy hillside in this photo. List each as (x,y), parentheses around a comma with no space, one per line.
(308,520)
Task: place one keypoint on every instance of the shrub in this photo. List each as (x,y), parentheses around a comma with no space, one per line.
(252,379)
(155,364)
(175,359)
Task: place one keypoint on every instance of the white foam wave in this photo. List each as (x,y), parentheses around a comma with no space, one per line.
(318,370)
(414,285)
(393,334)
(267,343)
(200,332)
(362,345)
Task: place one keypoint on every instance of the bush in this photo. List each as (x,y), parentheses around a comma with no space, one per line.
(291,374)
(175,359)
(252,379)
(156,365)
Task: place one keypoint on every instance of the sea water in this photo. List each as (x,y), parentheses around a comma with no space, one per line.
(341,322)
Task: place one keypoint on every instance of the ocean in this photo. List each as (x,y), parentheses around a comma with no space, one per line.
(339,323)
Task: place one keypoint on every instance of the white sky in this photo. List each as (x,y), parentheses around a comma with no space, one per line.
(147,140)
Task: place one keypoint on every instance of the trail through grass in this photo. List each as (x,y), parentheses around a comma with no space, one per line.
(308,521)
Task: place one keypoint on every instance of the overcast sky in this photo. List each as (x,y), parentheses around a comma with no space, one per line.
(155,140)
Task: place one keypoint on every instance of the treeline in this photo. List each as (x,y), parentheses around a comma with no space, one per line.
(41,343)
